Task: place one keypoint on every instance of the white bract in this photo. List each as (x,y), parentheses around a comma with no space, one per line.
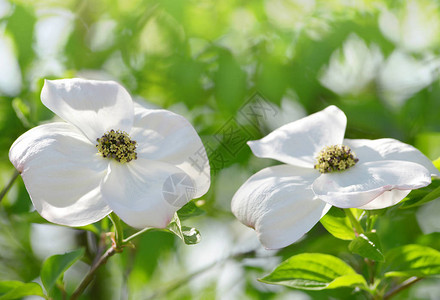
(111,154)
(284,202)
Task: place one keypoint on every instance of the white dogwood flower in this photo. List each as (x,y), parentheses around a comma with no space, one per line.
(322,169)
(111,154)
(352,68)
(414,27)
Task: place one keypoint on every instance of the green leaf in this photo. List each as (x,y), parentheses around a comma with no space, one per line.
(422,196)
(188,235)
(18,289)
(412,260)
(55,266)
(315,271)
(368,246)
(189,210)
(338,224)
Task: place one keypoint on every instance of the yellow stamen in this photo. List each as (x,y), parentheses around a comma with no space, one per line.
(335,158)
(117,145)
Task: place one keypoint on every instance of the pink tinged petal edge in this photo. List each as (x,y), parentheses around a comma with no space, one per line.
(365,182)
(94,107)
(387,199)
(389,149)
(299,142)
(146,193)
(279,204)
(168,137)
(62,172)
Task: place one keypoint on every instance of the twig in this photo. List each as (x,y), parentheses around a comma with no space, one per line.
(91,274)
(407,283)
(9,185)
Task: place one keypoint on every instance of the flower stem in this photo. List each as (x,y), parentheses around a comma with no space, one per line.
(407,283)
(354,222)
(91,274)
(9,185)
(119,233)
(125,241)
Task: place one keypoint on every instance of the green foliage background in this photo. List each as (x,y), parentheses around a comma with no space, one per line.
(211,61)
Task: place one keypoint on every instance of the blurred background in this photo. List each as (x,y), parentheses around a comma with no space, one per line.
(237,70)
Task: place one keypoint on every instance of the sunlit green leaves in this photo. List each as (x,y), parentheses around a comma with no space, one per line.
(16,290)
(55,266)
(412,260)
(338,224)
(368,246)
(315,271)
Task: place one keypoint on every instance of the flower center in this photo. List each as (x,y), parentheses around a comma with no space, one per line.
(335,158)
(117,145)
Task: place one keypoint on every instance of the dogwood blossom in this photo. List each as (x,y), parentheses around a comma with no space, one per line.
(110,154)
(322,169)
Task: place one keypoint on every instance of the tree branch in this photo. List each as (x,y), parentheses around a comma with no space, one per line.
(407,283)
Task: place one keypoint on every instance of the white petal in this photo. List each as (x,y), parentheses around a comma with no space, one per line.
(93,106)
(387,199)
(168,137)
(389,149)
(279,204)
(146,193)
(364,182)
(299,142)
(62,172)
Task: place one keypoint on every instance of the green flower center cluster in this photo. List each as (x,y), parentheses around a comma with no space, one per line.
(117,145)
(335,158)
